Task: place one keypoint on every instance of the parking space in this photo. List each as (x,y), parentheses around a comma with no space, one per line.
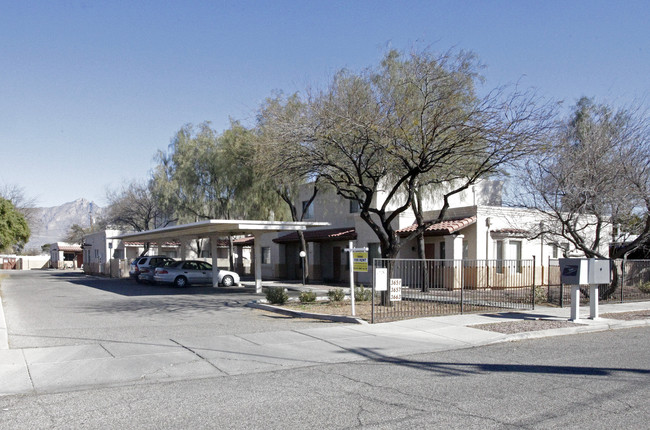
(57,308)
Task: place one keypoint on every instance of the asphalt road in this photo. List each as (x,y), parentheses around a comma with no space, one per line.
(597,381)
(55,308)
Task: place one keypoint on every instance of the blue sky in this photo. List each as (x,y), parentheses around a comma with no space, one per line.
(91,90)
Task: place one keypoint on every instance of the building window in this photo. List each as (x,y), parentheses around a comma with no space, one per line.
(443,254)
(307,210)
(563,247)
(266,255)
(354,207)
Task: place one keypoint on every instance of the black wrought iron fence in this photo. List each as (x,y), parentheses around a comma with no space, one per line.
(445,287)
(630,282)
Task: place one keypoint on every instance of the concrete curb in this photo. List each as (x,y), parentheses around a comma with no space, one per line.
(299,314)
(4,337)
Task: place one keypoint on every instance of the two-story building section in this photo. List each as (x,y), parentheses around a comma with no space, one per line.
(475,227)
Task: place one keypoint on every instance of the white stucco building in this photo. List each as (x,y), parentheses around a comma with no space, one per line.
(475,227)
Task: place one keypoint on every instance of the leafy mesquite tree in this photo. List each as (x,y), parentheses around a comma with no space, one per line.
(207,175)
(416,120)
(275,127)
(14,231)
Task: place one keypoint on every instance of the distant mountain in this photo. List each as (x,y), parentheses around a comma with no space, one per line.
(51,224)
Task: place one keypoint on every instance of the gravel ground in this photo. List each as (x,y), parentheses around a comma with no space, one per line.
(628,316)
(510,327)
(506,327)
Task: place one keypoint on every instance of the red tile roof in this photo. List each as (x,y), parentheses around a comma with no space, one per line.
(332,234)
(440,228)
(70,248)
(245,241)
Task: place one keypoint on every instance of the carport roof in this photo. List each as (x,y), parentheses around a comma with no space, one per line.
(217,227)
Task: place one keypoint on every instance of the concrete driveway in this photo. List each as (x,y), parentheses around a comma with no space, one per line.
(56,308)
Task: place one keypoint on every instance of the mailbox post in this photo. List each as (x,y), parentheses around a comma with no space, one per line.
(584,271)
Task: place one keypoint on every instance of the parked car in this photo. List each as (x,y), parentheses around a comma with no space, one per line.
(142,267)
(184,273)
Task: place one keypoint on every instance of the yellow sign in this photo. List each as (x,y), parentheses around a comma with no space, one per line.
(360,261)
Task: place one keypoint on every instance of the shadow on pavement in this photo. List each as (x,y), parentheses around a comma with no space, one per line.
(472,368)
(129,287)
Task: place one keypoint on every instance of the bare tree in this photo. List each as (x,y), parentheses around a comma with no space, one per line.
(16,195)
(593,178)
(135,206)
(592,182)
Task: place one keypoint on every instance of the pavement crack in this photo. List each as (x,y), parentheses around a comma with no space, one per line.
(29,372)
(109,353)
(198,355)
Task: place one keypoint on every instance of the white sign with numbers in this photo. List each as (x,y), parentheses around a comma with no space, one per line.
(395,290)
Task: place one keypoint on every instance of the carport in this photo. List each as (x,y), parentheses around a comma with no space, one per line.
(215,228)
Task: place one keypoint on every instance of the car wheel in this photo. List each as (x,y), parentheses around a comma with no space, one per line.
(181,281)
(227,281)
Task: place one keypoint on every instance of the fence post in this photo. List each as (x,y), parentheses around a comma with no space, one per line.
(623,276)
(462,290)
(548,278)
(534,257)
(374,282)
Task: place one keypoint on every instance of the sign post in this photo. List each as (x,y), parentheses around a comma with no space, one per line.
(358,258)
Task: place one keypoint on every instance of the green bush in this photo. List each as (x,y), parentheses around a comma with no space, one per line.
(307,297)
(277,295)
(362,294)
(644,287)
(540,294)
(336,295)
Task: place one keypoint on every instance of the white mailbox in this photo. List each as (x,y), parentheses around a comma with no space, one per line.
(584,271)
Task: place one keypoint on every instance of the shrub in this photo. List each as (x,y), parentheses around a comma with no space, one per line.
(540,294)
(307,297)
(362,294)
(276,295)
(336,295)
(644,287)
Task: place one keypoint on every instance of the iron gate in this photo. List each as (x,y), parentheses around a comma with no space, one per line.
(446,287)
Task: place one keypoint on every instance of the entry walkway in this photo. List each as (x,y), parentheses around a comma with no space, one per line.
(55,369)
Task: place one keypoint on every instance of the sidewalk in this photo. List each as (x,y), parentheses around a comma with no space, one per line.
(54,369)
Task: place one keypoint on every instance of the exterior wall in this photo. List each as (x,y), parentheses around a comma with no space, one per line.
(327,206)
(98,253)
(33,262)
(496,227)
